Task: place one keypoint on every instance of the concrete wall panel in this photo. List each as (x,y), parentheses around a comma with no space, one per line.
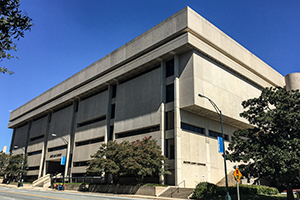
(61,126)
(36,146)
(138,102)
(186,75)
(91,131)
(20,137)
(34,160)
(83,153)
(38,127)
(224,87)
(93,107)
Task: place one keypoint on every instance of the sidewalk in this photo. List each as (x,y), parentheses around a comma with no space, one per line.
(29,187)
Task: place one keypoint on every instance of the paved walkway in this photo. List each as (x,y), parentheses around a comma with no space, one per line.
(29,187)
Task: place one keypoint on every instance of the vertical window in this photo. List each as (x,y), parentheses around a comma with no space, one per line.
(170,68)
(169,116)
(76,106)
(170,149)
(112,111)
(169,93)
(114,91)
(167,148)
(49,117)
(111,132)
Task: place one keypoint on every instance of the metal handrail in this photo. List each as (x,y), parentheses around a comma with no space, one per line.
(177,188)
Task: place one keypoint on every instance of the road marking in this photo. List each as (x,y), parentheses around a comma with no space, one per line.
(9,198)
(34,195)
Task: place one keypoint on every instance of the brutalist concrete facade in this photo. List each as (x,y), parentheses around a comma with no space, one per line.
(149,87)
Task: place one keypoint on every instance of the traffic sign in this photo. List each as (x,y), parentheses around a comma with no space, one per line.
(237,174)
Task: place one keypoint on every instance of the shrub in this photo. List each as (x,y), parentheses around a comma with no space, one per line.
(206,190)
(267,190)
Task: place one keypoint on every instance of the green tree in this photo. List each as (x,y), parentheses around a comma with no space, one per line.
(3,161)
(13,170)
(13,24)
(270,149)
(144,159)
(137,159)
(108,159)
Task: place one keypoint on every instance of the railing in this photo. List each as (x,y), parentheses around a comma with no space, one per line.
(82,179)
(176,189)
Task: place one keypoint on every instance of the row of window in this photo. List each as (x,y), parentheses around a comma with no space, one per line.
(138,132)
(36,138)
(80,164)
(92,121)
(184,126)
(57,148)
(34,168)
(191,128)
(195,129)
(194,163)
(34,153)
(87,142)
(215,135)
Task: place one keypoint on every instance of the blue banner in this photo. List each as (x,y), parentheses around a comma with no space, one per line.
(220,144)
(63,160)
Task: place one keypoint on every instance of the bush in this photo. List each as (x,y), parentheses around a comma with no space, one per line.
(206,190)
(267,190)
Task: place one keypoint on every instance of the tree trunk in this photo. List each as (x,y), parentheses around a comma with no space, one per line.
(289,192)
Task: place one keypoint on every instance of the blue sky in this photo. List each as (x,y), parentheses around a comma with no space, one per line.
(69,35)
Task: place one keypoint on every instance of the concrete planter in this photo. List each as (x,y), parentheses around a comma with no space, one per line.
(118,189)
(150,190)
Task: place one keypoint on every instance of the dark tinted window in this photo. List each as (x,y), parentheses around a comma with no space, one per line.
(169,93)
(170,68)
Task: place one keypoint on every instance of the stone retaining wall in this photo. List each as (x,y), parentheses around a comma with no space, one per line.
(117,189)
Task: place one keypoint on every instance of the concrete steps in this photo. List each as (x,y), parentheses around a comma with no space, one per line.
(44,181)
(177,192)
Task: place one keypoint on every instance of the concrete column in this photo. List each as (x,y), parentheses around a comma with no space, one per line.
(177,129)
(71,143)
(109,121)
(43,166)
(162,111)
(67,157)
(28,134)
(208,161)
(292,81)
(12,141)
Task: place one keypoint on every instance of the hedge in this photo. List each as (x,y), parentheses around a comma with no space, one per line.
(208,190)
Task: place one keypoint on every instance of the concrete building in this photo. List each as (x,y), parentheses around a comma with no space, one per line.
(149,87)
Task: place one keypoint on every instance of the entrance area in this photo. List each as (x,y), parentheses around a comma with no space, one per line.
(54,167)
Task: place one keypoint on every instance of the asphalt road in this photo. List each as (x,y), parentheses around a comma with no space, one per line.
(24,194)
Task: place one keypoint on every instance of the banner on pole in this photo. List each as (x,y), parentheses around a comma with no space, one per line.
(220,144)
(63,160)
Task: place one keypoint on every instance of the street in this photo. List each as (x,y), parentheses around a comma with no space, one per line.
(25,194)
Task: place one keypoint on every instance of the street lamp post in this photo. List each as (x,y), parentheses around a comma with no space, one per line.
(66,142)
(227,197)
(24,163)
